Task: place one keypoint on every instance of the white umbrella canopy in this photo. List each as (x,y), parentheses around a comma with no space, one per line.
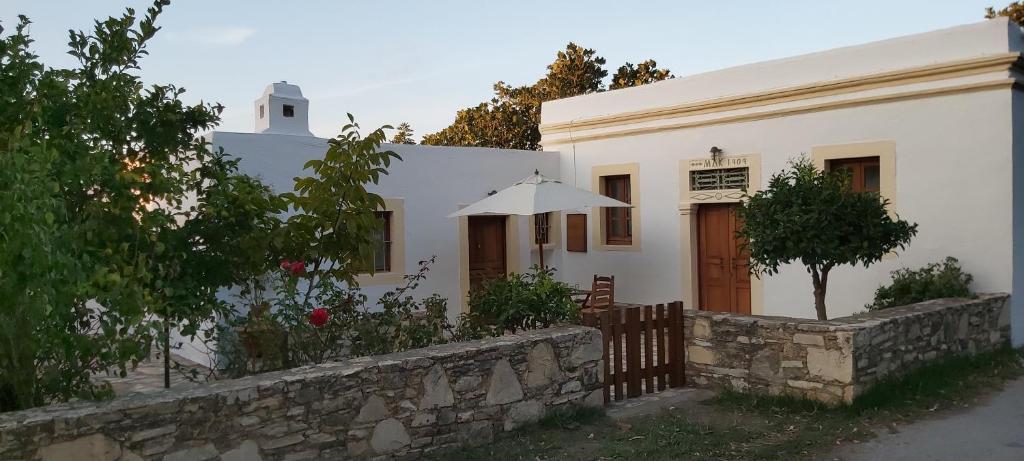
(537,194)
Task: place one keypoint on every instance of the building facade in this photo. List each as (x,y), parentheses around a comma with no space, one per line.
(932,122)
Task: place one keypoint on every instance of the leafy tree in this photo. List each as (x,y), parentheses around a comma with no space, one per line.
(114,214)
(641,74)
(511,118)
(811,216)
(335,222)
(403,134)
(1014,11)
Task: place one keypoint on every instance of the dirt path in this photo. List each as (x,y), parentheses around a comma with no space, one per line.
(992,431)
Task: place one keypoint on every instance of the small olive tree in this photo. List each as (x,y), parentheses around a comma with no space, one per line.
(812,216)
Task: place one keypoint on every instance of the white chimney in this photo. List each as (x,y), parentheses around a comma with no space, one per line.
(282,110)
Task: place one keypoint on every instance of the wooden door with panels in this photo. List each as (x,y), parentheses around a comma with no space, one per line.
(487,258)
(723,266)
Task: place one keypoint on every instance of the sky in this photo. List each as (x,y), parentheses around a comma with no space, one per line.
(419,62)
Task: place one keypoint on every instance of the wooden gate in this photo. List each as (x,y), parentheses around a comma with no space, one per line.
(644,350)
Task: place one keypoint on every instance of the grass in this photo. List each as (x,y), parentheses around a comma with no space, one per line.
(737,426)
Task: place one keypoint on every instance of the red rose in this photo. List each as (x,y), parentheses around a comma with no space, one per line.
(297,268)
(285,264)
(318,317)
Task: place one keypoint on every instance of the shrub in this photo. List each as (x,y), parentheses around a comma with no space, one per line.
(292,333)
(520,302)
(934,281)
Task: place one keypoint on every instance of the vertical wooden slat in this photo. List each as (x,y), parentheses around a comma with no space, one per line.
(682,340)
(673,339)
(619,375)
(661,331)
(634,373)
(606,335)
(676,345)
(649,349)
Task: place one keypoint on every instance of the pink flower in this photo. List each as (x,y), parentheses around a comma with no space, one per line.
(318,317)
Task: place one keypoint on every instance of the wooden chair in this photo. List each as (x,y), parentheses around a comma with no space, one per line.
(602,293)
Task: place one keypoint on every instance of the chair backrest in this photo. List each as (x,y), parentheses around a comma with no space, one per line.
(602,294)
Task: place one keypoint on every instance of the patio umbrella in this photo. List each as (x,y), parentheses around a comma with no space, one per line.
(534,195)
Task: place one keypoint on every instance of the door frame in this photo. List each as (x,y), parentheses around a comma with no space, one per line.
(689,202)
(512,264)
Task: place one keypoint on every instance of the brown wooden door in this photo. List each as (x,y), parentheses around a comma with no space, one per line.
(486,249)
(724,269)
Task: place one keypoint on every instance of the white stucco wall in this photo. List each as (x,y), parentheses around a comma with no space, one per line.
(955,43)
(953,178)
(432,181)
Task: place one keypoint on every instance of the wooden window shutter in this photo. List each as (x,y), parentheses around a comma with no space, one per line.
(576,232)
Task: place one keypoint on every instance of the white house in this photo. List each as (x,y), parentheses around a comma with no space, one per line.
(420,191)
(926,120)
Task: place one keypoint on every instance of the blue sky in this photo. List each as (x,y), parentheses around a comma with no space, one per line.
(421,61)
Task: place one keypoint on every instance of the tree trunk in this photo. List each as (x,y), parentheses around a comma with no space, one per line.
(820,287)
(167,353)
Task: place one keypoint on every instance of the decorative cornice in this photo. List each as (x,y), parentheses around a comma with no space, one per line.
(575,136)
(954,69)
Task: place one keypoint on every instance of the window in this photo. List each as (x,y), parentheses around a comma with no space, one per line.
(618,221)
(288,111)
(386,264)
(865,173)
(542,228)
(261,110)
(382,252)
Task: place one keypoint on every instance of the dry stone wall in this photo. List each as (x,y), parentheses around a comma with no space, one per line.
(834,361)
(383,407)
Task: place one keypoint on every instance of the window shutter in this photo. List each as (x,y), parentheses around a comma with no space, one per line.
(576,232)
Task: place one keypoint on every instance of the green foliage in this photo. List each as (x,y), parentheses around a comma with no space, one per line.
(403,134)
(335,221)
(811,216)
(520,302)
(402,323)
(934,281)
(112,235)
(642,74)
(1014,11)
(511,118)
(283,337)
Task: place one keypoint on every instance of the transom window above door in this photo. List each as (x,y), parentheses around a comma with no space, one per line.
(864,172)
(720,179)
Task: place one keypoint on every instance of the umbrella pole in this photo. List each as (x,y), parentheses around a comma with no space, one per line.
(540,248)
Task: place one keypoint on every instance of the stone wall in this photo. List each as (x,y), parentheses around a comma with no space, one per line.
(834,361)
(393,406)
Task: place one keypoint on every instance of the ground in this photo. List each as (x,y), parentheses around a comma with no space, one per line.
(993,430)
(961,396)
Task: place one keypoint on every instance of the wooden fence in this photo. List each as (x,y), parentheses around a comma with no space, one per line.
(643,348)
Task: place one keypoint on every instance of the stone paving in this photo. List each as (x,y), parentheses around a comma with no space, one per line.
(148,376)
